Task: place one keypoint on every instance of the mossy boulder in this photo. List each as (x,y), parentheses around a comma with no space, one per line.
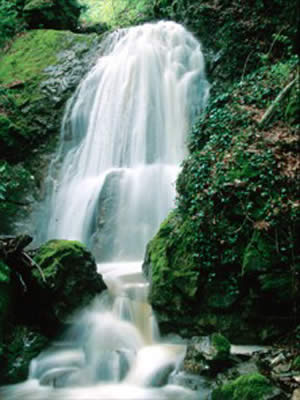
(207,355)
(169,267)
(55,14)
(226,259)
(248,387)
(221,346)
(69,273)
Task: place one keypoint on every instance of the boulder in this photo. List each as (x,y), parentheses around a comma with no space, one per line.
(70,275)
(207,354)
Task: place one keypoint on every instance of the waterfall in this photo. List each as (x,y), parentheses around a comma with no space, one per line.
(123,138)
(111,184)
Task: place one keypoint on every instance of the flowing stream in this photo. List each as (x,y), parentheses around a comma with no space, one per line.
(110,186)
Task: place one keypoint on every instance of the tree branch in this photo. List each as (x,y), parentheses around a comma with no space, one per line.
(270,111)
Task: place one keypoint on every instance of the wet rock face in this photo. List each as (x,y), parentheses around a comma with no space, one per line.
(38,74)
(70,275)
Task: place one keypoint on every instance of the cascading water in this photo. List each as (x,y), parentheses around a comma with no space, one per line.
(122,140)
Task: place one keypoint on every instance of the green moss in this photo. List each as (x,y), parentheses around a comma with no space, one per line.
(30,54)
(55,254)
(172,266)
(237,214)
(221,345)
(28,114)
(247,387)
(70,275)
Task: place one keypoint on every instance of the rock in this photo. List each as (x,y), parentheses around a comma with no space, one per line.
(220,348)
(296,394)
(279,364)
(50,64)
(70,274)
(247,351)
(248,387)
(207,354)
(55,14)
(210,267)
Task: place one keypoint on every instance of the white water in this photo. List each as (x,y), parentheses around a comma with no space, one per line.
(123,138)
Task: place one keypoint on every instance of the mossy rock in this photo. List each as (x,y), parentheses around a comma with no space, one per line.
(32,102)
(248,387)
(221,345)
(170,268)
(70,275)
(31,92)
(236,221)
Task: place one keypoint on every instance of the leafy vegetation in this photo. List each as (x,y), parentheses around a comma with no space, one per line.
(11,21)
(237,212)
(17,16)
(116,13)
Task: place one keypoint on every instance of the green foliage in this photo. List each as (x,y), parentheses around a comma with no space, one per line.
(11,20)
(116,13)
(241,31)
(55,14)
(248,387)
(22,344)
(237,209)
